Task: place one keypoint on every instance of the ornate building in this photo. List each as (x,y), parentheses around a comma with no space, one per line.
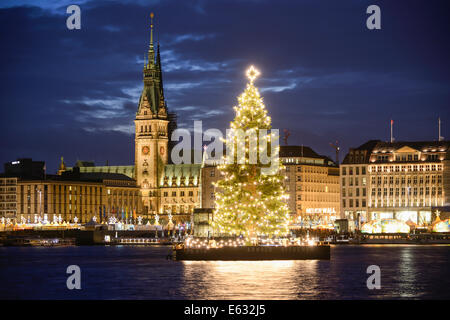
(400,180)
(151,132)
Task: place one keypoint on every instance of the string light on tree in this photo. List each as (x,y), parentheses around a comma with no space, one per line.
(248,202)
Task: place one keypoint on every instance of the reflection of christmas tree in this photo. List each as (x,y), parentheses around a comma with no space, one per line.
(249,202)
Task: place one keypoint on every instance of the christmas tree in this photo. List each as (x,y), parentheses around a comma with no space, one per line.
(250,202)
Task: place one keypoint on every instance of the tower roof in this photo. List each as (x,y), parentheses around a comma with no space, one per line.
(152,103)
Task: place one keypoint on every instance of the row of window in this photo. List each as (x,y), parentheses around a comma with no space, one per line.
(406,191)
(406,179)
(351,170)
(354,181)
(408,168)
(355,202)
(7,182)
(182,193)
(358,192)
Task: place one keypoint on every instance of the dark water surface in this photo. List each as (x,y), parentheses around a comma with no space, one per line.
(124,272)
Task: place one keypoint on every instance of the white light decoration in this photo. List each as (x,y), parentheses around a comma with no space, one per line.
(248,202)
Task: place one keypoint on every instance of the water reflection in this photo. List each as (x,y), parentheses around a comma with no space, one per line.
(407,273)
(249,279)
(144,273)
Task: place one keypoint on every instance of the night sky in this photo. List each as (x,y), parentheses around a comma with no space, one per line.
(325,76)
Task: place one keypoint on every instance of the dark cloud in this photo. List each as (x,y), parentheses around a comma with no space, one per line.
(324,75)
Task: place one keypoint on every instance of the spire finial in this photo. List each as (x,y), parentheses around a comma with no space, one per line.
(252,73)
(151,29)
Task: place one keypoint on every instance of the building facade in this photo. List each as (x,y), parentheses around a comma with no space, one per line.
(399,180)
(31,196)
(81,198)
(8,197)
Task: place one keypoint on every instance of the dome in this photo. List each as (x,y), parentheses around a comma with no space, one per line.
(385,226)
(442,226)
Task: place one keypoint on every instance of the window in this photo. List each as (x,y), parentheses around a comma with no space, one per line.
(191,193)
(344,171)
(363,170)
(181,193)
(174,193)
(212,173)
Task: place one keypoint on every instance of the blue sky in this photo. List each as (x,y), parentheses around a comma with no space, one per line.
(325,76)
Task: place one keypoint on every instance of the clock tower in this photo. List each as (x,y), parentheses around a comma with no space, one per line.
(151,132)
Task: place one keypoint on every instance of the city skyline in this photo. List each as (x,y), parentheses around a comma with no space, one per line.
(85,111)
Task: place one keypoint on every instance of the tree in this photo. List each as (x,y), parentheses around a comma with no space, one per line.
(250,202)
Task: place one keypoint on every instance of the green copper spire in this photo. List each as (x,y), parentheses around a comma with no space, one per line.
(151,50)
(152,102)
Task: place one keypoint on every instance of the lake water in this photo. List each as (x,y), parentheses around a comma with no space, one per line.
(125,272)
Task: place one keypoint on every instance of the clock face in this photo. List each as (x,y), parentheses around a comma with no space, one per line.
(145,150)
(162,150)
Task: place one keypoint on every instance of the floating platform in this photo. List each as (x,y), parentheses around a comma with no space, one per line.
(321,252)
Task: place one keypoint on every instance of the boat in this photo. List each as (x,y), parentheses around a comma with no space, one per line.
(37,242)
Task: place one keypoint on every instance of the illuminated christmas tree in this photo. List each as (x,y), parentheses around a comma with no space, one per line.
(249,201)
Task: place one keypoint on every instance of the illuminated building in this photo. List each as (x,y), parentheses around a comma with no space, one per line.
(398,180)
(8,197)
(68,195)
(312,182)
